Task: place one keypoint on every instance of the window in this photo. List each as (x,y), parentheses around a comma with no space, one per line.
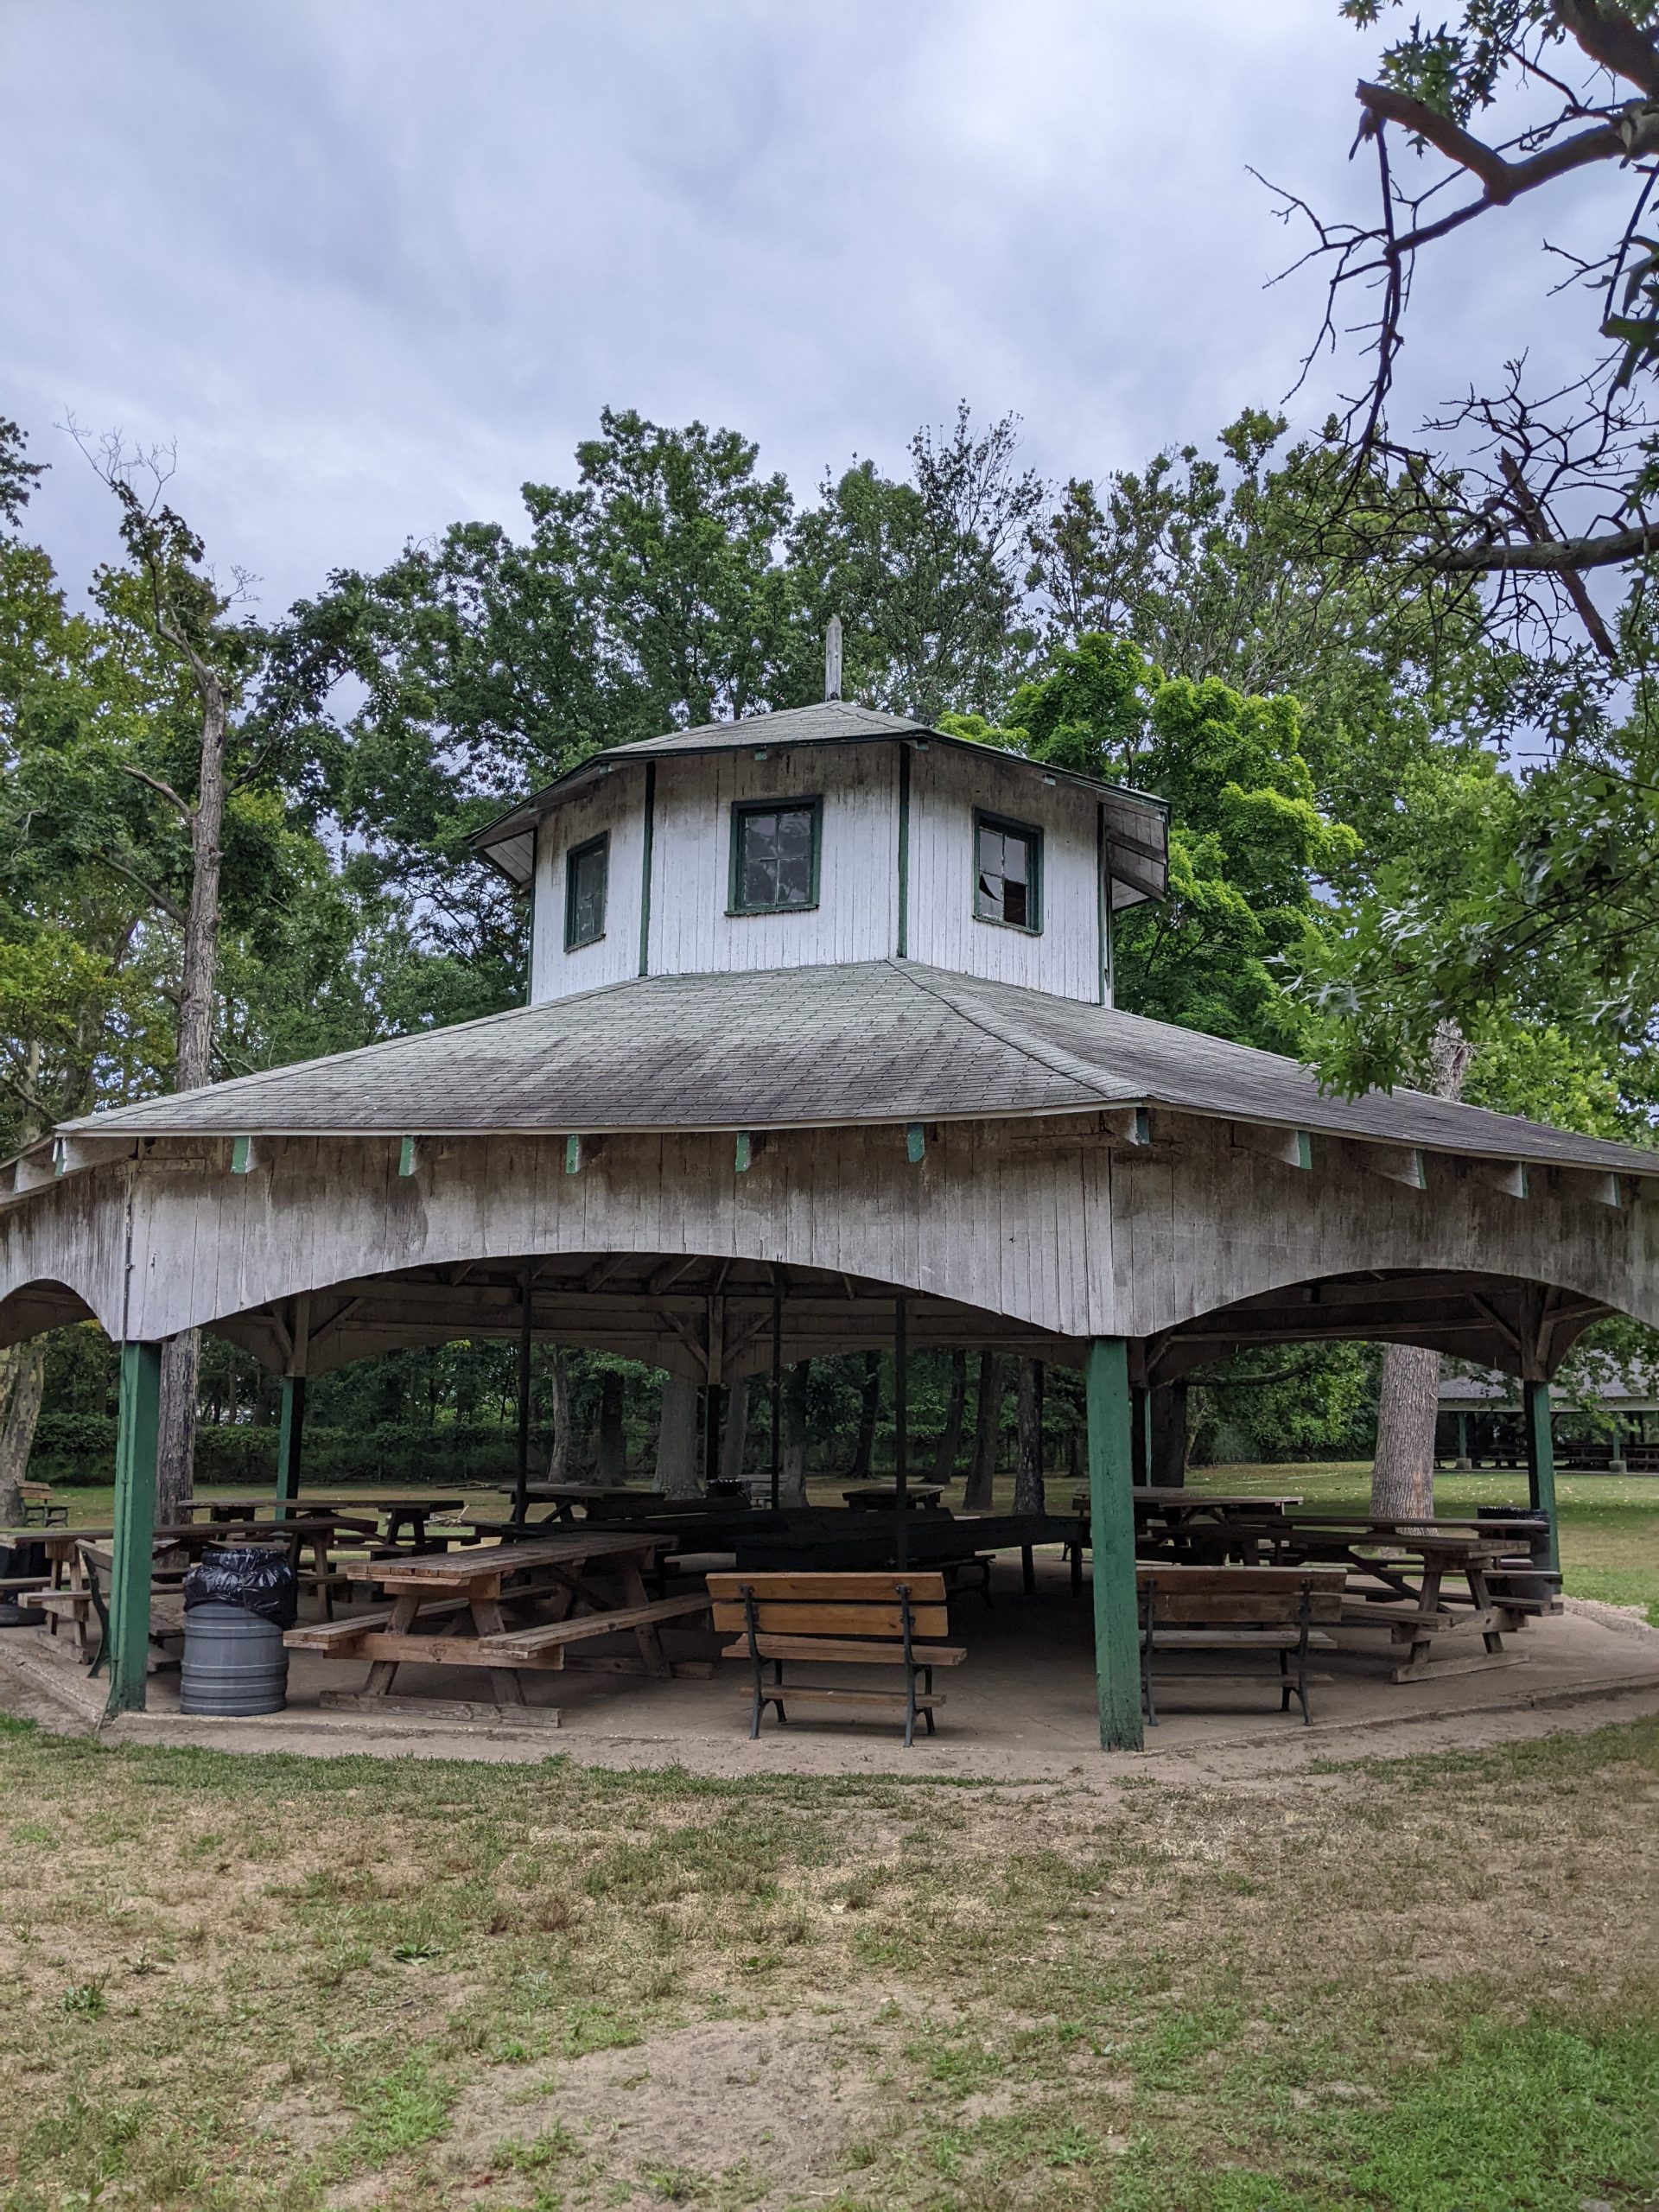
(774,856)
(1008,873)
(586,870)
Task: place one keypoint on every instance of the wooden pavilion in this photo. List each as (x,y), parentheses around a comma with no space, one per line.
(820,1046)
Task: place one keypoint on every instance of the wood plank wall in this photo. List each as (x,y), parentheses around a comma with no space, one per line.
(1047,1225)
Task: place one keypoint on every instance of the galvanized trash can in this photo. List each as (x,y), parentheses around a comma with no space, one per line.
(1524,1574)
(236,1603)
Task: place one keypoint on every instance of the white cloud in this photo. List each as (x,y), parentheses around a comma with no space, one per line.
(373,265)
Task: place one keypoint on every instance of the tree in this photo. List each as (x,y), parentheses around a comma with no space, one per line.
(168,592)
(927,575)
(1558,486)
(1248,848)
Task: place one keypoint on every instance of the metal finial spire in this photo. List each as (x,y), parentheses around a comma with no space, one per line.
(832,659)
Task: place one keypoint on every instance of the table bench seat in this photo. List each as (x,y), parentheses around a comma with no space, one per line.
(580,1628)
(1238,1609)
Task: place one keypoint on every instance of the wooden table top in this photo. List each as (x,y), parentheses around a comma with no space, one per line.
(437,1568)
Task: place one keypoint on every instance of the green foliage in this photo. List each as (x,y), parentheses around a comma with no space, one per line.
(1249,847)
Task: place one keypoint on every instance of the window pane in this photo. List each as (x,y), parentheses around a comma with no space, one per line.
(585,917)
(759,865)
(774,857)
(795,857)
(1005,877)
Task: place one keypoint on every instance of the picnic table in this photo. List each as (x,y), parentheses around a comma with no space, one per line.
(883,1497)
(1195,1523)
(392,1516)
(67,1598)
(1413,1568)
(490,1608)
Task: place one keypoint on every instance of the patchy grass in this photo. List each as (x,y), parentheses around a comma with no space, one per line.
(278,1984)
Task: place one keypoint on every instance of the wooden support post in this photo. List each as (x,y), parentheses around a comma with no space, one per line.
(1541,1461)
(1464,1461)
(521,1468)
(901,1433)
(1111,1520)
(1616,1463)
(138,1424)
(777,1390)
(290,1436)
(1140,1434)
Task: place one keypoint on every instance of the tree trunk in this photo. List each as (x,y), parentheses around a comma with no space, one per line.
(558,1459)
(678,1472)
(1028,1477)
(988,1435)
(791,1483)
(1169,1434)
(735,1437)
(945,1460)
(1402,1473)
(611,1456)
(22,1375)
(1403,1477)
(192,1066)
(175,1444)
(869,1407)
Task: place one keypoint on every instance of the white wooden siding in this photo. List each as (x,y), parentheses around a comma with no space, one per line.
(1063,957)
(857,916)
(616,804)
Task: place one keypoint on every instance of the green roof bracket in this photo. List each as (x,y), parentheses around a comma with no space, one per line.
(408,1156)
(241,1155)
(573,1155)
(745,1153)
(915,1142)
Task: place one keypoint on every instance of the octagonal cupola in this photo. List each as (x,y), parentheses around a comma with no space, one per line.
(821,835)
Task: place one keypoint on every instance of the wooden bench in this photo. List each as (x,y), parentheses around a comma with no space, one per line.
(1238,1609)
(847,1619)
(37,1505)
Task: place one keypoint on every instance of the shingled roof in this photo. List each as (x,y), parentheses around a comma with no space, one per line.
(1135,820)
(880,1042)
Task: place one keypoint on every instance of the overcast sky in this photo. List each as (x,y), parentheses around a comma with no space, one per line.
(372,263)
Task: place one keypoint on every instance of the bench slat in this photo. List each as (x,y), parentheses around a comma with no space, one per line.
(1262,1639)
(525,1643)
(924,1588)
(848,1650)
(340,1634)
(777,1616)
(890,1701)
(1271,1608)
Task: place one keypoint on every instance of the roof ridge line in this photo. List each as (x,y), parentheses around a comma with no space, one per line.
(1015,1044)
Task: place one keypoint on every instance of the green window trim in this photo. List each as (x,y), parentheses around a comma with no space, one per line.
(1033,837)
(742,810)
(592,848)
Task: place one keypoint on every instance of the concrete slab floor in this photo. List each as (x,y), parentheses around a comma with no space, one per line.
(1021,1708)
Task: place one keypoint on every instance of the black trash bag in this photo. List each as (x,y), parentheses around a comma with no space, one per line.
(256,1577)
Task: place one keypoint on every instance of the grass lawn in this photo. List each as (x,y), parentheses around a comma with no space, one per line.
(273,1982)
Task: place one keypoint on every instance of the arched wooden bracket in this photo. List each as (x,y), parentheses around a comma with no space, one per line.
(1291,1147)
(1396,1163)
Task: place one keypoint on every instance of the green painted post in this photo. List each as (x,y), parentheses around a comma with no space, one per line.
(1463,1460)
(289,1435)
(1541,1461)
(1111,1520)
(138,1423)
